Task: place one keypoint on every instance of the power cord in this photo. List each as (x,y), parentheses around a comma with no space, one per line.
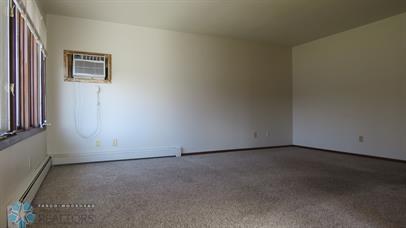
(77,117)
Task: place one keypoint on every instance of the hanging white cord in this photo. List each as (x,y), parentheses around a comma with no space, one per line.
(77,116)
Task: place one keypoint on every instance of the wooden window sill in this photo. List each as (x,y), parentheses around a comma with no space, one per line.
(20,136)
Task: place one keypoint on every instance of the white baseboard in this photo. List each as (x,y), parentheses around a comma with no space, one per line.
(121,154)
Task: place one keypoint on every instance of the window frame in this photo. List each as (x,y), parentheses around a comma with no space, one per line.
(26,78)
(4,129)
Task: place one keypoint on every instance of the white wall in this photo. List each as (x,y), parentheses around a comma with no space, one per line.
(169,89)
(351,84)
(18,167)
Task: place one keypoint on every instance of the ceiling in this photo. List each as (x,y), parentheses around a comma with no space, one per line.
(284,22)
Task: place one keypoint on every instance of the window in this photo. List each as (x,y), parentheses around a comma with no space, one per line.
(25,84)
(3,67)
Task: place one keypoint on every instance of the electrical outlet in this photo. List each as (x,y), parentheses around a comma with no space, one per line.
(115,142)
(361,139)
(98,143)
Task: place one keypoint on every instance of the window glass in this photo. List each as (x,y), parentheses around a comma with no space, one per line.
(3,65)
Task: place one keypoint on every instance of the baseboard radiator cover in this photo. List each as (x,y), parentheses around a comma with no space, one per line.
(32,188)
(115,155)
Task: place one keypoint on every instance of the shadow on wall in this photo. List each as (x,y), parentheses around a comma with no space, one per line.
(171,89)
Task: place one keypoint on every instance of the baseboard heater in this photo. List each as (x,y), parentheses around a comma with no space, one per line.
(32,189)
(116,155)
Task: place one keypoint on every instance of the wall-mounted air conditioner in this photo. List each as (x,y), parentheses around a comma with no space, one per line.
(86,66)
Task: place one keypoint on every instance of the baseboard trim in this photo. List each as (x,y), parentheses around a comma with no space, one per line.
(32,189)
(234,150)
(117,155)
(350,154)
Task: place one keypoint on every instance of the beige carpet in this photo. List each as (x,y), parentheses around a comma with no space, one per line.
(286,187)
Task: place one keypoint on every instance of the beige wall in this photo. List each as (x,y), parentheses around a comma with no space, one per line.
(169,89)
(18,167)
(351,84)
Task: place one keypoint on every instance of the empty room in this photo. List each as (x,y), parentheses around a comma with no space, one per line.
(202,113)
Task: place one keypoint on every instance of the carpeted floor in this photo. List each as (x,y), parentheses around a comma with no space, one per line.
(285,187)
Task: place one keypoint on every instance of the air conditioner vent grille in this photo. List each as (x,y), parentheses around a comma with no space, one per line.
(89,66)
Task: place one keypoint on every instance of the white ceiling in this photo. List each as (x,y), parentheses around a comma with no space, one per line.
(286,22)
